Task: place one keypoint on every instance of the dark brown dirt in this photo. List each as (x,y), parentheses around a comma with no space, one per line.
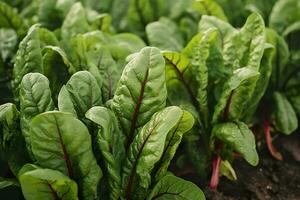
(270,180)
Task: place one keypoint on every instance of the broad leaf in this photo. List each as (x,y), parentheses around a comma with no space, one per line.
(146,150)
(61,142)
(28,58)
(172,187)
(47,184)
(286,120)
(35,98)
(239,137)
(235,94)
(84,93)
(141,90)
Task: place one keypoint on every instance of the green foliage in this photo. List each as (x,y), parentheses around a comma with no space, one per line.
(89,95)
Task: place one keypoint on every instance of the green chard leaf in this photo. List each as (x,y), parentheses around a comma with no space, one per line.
(9,18)
(107,74)
(141,90)
(172,187)
(61,142)
(28,58)
(209,7)
(172,142)
(239,137)
(236,93)
(165,35)
(35,98)
(83,91)
(47,184)
(75,22)
(146,150)
(12,143)
(286,120)
(198,51)
(111,142)
(284,13)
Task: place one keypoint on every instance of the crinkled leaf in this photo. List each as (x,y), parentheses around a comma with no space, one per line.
(84,93)
(28,58)
(172,187)
(146,150)
(178,78)
(235,94)
(111,142)
(198,51)
(47,184)
(61,142)
(286,120)
(239,137)
(35,98)
(141,90)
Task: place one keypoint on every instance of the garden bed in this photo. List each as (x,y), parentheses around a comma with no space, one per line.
(270,180)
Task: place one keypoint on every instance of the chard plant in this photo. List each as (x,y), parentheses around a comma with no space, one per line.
(133,138)
(218,76)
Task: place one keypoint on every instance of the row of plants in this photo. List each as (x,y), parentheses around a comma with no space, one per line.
(97,96)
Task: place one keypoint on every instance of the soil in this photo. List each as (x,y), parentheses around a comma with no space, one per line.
(270,180)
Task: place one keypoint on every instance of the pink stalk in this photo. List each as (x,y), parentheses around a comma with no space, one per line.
(271,148)
(214,181)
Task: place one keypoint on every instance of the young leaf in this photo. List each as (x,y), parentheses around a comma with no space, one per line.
(61,142)
(28,58)
(239,137)
(172,187)
(47,184)
(141,90)
(111,142)
(286,120)
(84,93)
(146,150)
